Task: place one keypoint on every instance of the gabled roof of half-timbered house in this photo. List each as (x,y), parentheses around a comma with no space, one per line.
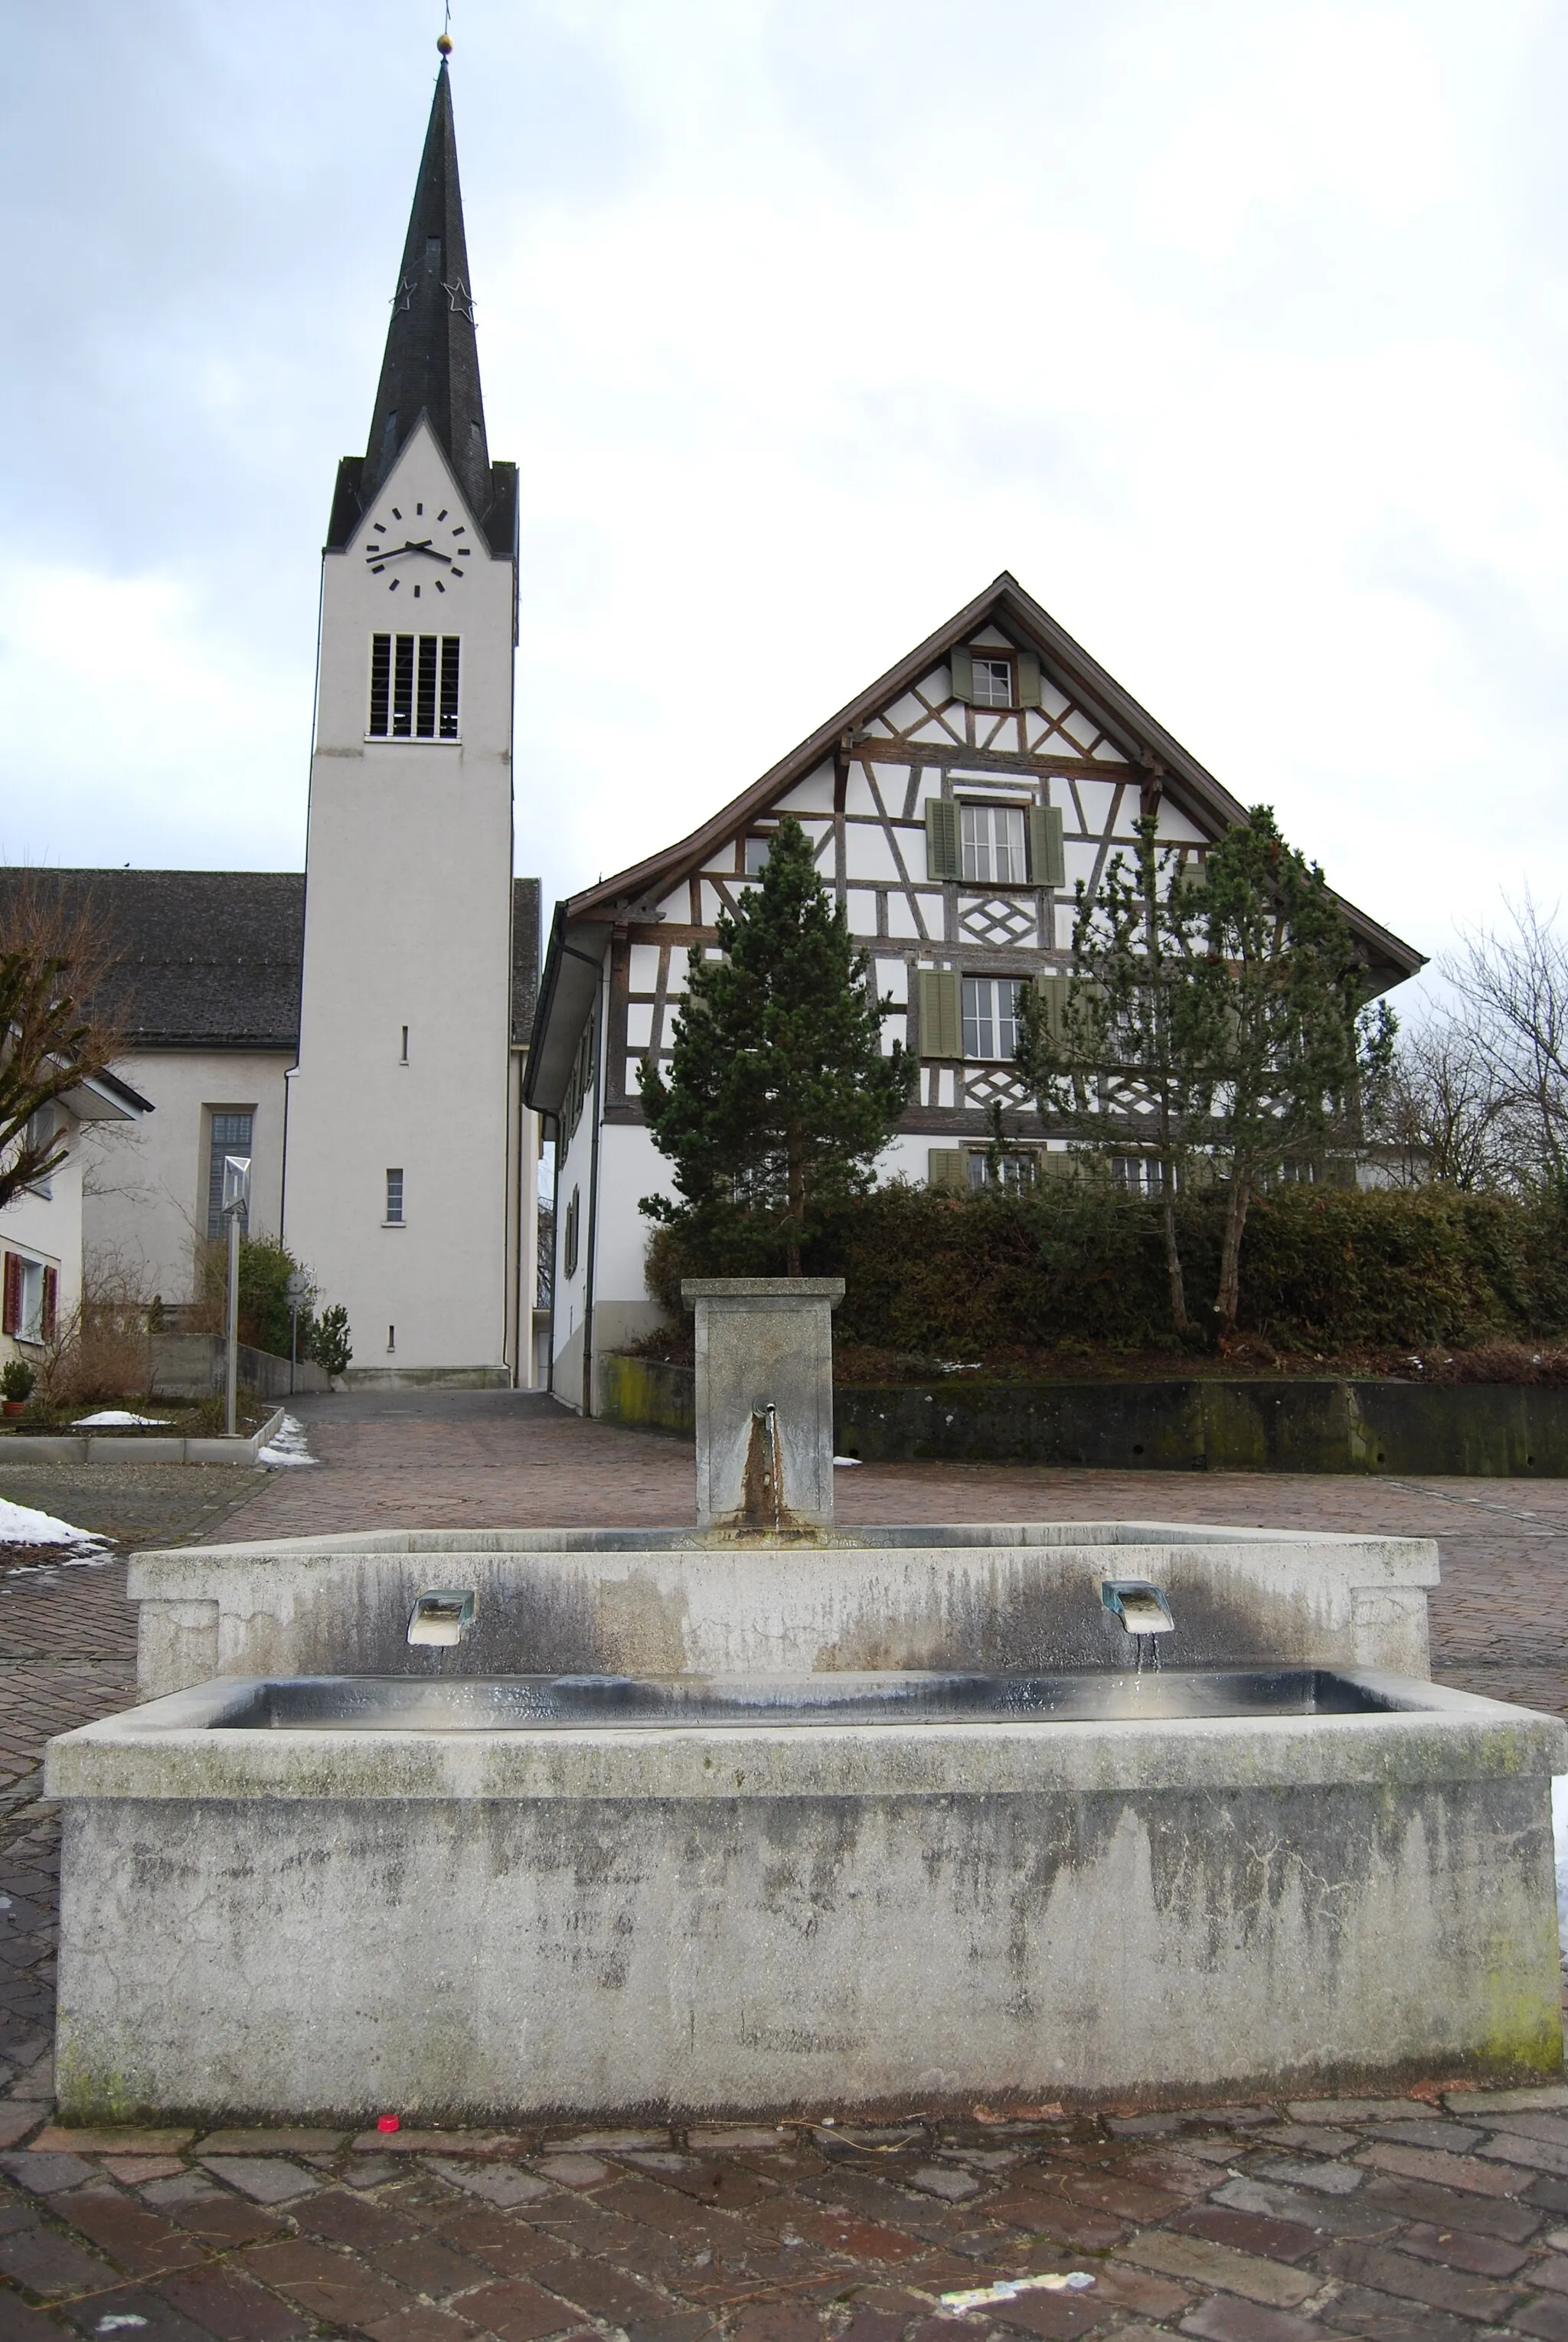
(1081,716)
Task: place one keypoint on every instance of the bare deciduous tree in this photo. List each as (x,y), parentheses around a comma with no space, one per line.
(54,965)
(1514,983)
(1438,1116)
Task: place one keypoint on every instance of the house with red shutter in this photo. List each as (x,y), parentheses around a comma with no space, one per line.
(41,1228)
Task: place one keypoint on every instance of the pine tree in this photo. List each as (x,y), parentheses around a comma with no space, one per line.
(779,1096)
(1214,1021)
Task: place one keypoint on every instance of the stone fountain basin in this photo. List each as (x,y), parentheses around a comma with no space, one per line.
(677,1703)
(411,1899)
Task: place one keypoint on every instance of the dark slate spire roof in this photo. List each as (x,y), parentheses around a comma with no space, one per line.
(431,366)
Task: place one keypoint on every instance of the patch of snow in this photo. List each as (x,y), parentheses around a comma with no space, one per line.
(845,1462)
(288,1444)
(20,1525)
(116,1414)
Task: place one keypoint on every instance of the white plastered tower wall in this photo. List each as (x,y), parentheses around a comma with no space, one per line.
(408,908)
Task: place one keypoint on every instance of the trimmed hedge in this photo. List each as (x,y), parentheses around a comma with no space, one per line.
(1324,1269)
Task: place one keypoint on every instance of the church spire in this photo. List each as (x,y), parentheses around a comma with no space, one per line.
(431,361)
(431,364)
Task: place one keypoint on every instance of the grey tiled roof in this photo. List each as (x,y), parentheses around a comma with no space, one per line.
(211,958)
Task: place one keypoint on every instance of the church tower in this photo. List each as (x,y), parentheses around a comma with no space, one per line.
(407,1184)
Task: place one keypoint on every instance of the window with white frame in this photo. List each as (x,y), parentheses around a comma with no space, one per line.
(229,1132)
(1007,1171)
(40,1133)
(990,1015)
(992,681)
(1138,1174)
(395,1199)
(414,686)
(991,844)
(756,854)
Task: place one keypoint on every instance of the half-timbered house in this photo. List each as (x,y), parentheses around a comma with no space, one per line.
(954,806)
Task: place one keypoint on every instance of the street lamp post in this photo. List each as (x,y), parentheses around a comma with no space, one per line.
(297,1293)
(236,1202)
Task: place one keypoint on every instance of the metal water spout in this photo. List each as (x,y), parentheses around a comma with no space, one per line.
(443,1616)
(1142,1608)
(762,1496)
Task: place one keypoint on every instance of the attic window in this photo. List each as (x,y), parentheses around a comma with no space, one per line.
(992,681)
(756,855)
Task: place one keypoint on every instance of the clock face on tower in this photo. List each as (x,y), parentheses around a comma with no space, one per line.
(417,551)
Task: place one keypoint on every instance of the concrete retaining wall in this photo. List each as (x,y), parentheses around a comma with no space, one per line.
(138,1448)
(195,1366)
(1483,1431)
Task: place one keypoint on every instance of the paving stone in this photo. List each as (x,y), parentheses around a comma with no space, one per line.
(20,2323)
(574,2170)
(436,2142)
(1195,2258)
(126,2230)
(1317,2139)
(1448,2137)
(1124,2199)
(229,2307)
(1323,2178)
(1123,2287)
(1462,2171)
(1537,2154)
(426,2265)
(600,2290)
(502,2245)
(1225,2318)
(47,2174)
(1040,2212)
(134,2170)
(1330,2216)
(45,2263)
(496,2183)
(423,2323)
(616,2142)
(779,2321)
(1548,2319)
(1529,2126)
(1383,2318)
(16,2122)
(516,2310)
(1248,2232)
(1408,2279)
(1551,2273)
(1551,2194)
(220,2220)
(267,2178)
(327,2285)
(733,2183)
(937,2179)
(1056,2316)
(1351,2111)
(1507,2102)
(718,2140)
(1445,2207)
(1178,2174)
(54,2137)
(341,2220)
(272,2142)
(1460,2248)
(141,2316)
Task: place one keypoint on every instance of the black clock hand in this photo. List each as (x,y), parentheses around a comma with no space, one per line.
(396,552)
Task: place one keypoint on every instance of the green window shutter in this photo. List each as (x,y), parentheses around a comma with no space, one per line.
(1056,1163)
(1028,672)
(946,1167)
(944,858)
(963,666)
(1047,853)
(941,1013)
(1052,991)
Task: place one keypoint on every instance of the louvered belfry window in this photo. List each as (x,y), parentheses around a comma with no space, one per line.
(414,686)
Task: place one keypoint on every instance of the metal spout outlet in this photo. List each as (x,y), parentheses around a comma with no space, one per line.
(443,1616)
(1142,1608)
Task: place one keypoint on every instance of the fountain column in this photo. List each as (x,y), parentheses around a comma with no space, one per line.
(764,1401)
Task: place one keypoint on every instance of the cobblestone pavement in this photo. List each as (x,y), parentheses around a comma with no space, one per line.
(1432,2218)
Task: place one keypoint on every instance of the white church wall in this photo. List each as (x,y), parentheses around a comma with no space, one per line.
(145,1203)
(408,908)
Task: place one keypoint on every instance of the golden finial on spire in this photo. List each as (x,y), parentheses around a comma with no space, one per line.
(443,41)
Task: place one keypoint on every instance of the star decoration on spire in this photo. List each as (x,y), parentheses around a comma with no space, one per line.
(461,299)
(404,297)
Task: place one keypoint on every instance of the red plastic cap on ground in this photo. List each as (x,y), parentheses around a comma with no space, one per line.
(387,2122)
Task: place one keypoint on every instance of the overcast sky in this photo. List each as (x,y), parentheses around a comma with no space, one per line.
(1235,331)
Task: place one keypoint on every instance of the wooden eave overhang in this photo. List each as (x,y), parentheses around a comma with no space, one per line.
(628,897)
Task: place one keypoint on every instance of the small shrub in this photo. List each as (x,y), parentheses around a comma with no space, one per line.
(266,1268)
(16,1380)
(328,1343)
